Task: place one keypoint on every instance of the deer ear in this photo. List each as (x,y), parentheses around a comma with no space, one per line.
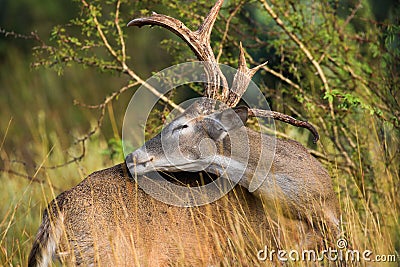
(226,121)
(243,113)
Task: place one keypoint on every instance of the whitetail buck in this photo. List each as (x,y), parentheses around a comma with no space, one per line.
(108,220)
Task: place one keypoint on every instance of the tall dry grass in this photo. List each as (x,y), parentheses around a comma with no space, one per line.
(370,224)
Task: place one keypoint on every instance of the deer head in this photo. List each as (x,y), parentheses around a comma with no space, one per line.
(201,138)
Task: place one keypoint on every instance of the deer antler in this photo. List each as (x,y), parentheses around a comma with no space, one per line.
(199,42)
(241,80)
(285,118)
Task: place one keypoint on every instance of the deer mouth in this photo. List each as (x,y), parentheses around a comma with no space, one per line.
(139,165)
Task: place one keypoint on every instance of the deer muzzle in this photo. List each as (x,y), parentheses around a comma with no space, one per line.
(139,162)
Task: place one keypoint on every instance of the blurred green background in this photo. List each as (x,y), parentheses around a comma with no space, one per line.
(32,98)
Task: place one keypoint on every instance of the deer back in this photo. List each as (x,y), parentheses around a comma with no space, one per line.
(108,219)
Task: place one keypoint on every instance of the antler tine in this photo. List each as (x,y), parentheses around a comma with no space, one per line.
(284,118)
(205,28)
(242,79)
(199,42)
(240,83)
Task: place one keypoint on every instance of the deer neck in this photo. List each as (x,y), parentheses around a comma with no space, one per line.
(245,155)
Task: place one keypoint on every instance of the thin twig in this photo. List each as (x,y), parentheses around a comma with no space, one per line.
(303,48)
(120,34)
(228,22)
(276,74)
(125,68)
(351,16)
(107,99)
(30,178)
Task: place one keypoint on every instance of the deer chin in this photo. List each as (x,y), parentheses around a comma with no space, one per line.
(137,169)
(178,165)
(138,164)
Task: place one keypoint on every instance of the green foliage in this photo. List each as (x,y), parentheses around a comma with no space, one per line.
(114,150)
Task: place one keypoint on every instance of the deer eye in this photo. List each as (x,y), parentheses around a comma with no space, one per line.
(180,127)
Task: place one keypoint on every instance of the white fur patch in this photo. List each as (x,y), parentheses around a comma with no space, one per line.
(49,251)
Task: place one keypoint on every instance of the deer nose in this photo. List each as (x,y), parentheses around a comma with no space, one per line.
(145,162)
(136,158)
(129,160)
